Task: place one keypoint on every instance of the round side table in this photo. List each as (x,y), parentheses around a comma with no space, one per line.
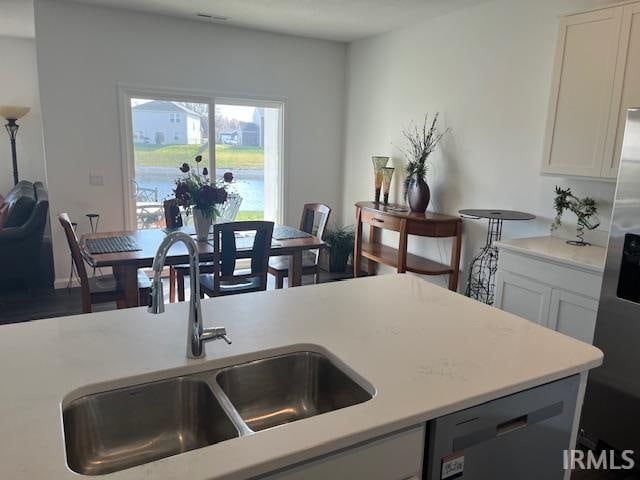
(483,267)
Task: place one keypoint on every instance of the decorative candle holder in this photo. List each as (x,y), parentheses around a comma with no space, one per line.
(378,164)
(387,175)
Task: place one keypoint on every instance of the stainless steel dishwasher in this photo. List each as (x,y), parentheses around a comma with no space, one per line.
(518,437)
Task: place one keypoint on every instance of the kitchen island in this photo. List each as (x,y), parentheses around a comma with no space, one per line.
(423,352)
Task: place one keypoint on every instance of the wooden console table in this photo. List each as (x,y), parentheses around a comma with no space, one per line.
(381,217)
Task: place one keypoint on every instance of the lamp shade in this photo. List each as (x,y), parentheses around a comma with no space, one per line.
(12,112)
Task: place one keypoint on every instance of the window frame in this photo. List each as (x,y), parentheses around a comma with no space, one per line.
(127,92)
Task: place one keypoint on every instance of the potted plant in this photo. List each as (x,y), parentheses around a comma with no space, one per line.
(340,241)
(585,210)
(199,196)
(422,142)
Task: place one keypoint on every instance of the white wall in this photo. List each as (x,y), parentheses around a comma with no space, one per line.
(19,86)
(487,69)
(85,51)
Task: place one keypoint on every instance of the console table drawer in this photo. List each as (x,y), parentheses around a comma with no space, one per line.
(388,222)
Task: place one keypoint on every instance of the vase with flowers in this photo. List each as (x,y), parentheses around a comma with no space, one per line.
(422,143)
(198,194)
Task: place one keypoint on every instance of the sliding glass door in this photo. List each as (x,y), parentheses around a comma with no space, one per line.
(164,135)
(243,139)
(248,147)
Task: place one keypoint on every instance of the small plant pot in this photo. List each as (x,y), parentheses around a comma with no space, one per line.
(338,260)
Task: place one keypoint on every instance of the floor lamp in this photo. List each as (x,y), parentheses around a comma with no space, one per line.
(13,114)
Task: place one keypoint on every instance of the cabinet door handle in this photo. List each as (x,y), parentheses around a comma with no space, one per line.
(378,220)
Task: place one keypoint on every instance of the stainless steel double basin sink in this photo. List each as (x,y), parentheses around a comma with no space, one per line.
(109,431)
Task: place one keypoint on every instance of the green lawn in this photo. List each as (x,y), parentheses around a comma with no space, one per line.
(247,215)
(227,156)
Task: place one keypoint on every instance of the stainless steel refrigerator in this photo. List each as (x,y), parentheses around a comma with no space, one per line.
(611,411)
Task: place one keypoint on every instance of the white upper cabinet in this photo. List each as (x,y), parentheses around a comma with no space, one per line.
(629,63)
(596,78)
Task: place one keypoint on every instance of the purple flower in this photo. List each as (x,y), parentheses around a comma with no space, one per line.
(205,172)
(228,177)
(182,191)
(198,158)
(184,168)
(211,195)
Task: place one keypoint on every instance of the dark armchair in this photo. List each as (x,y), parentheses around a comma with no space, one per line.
(22,235)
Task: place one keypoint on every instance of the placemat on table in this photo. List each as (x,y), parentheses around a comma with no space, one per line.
(123,243)
(281,232)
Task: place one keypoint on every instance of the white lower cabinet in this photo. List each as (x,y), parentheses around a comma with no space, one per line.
(398,456)
(560,297)
(523,297)
(573,315)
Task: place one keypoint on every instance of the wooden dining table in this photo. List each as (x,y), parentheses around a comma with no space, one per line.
(125,265)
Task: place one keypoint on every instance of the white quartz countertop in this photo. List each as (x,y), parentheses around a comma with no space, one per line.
(425,350)
(591,257)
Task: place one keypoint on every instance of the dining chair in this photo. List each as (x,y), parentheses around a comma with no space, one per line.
(173,219)
(314,220)
(225,280)
(103,288)
(172,213)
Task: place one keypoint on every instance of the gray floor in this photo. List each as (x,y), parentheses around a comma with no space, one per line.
(21,306)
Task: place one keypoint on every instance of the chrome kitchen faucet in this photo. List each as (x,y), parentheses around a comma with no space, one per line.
(196,334)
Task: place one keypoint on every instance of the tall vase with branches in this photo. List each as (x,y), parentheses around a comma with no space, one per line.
(421,144)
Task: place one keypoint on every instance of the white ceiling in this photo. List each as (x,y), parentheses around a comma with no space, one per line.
(342,20)
(16,18)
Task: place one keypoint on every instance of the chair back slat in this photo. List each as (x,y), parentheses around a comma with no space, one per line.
(172,215)
(261,249)
(307,222)
(315,216)
(78,260)
(226,251)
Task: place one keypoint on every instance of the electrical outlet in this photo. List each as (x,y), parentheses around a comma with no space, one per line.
(96,180)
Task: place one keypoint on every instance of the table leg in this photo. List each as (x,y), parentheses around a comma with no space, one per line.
(374,237)
(127,278)
(357,248)
(295,269)
(402,247)
(455,259)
